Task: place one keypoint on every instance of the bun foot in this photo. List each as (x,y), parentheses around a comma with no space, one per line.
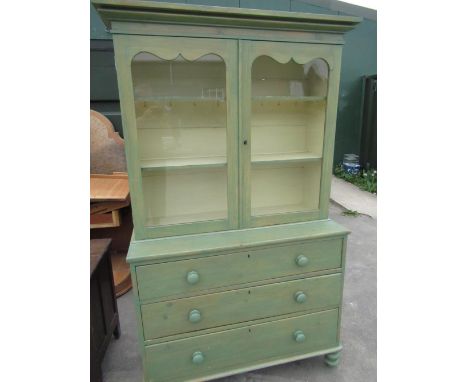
(333,359)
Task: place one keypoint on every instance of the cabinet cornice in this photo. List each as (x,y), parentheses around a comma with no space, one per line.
(159,12)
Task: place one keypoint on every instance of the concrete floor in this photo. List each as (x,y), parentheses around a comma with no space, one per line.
(359,324)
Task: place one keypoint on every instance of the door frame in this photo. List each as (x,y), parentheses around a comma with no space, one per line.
(126,47)
(283,52)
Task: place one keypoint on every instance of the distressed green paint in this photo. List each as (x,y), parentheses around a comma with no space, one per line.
(243,304)
(281,52)
(237,349)
(223,297)
(167,279)
(333,359)
(329,137)
(130,11)
(126,47)
(214,243)
(180,30)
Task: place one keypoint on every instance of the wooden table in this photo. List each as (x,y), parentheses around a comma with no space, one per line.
(104,313)
(111,217)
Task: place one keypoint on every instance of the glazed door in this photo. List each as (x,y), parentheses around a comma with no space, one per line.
(179,107)
(288,110)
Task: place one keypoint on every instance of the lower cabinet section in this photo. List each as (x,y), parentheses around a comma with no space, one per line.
(201,357)
(227,302)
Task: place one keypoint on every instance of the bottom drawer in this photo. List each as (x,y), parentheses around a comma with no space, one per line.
(210,354)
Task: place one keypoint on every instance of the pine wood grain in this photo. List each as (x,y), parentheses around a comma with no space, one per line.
(108,187)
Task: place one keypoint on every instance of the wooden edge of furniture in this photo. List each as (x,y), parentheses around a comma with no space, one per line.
(97,247)
(121,272)
(111,219)
(101,289)
(109,187)
(114,175)
(103,207)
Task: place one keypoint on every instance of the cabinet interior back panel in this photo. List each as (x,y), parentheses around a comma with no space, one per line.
(287,127)
(187,78)
(270,77)
(185,195)
(285,188)
(181,129)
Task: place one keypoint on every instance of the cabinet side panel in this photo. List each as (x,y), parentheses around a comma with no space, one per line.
(330,127)
(127,105)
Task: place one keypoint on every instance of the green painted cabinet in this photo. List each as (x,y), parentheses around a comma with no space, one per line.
(229,119)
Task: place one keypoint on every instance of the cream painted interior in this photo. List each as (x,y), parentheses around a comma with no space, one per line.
(281,188)
(271,78)
(185,195)
(181,129)
(181,114)
(180,111)
(287,129)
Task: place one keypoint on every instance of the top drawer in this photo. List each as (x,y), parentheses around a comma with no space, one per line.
(187,276)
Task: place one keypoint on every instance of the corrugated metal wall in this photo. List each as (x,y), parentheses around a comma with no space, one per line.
(359,59)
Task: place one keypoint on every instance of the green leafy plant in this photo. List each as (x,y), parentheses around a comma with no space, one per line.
(366,179)
(350,213)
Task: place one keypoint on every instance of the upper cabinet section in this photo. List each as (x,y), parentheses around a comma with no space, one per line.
(228,114)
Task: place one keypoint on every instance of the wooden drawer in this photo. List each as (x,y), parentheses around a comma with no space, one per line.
(169,279)
(242,347)
(246,304)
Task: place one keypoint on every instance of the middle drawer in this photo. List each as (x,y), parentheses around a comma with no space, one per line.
(245,304)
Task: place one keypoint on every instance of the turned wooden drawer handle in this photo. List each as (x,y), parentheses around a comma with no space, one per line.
(300,297)
(299,336)
(198,357)
(302,261)
(193,277)
(194,316)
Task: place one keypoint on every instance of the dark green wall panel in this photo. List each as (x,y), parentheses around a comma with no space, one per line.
(98,30)
(359,59)
(301,6)
(278,5)
(219,3)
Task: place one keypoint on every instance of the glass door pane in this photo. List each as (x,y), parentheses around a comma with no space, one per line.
(287,133)
(181,120)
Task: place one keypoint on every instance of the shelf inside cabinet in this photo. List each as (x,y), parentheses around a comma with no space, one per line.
(167,163)
(187,218)
(177,99)
(285,187)
(281,209)
(288,98)
(285,158)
